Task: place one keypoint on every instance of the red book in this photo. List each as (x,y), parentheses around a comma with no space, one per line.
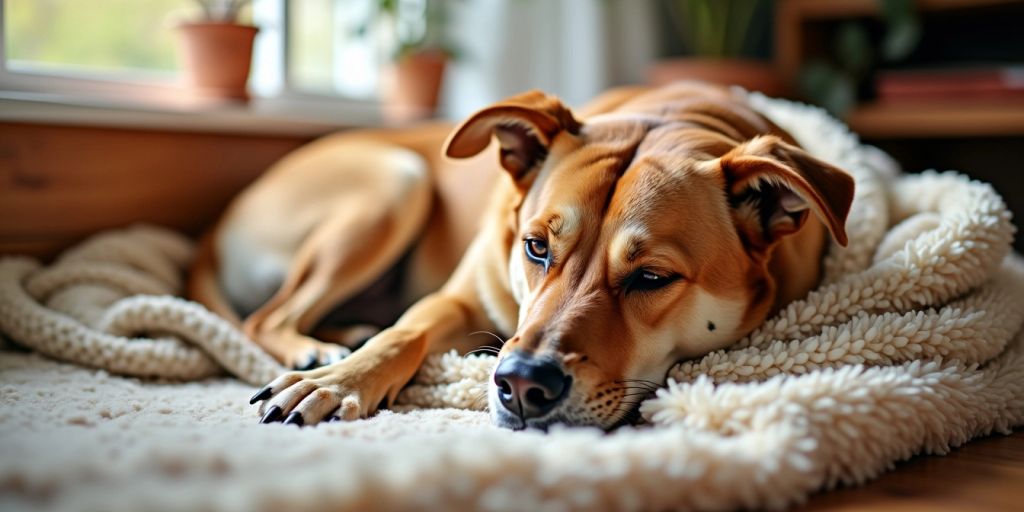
(951,84)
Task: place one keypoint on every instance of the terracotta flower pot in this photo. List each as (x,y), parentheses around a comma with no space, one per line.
(750,74)
(217,58)
(411,86)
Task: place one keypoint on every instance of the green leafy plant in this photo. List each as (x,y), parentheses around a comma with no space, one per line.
(834,83)
(222,11)
(416,26)
(717,28)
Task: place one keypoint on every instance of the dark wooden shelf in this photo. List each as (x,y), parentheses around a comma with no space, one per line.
(798,29)
(792,16)
(939,119)
(811,9)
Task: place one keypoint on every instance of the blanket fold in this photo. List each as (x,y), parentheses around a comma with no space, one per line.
(110,303)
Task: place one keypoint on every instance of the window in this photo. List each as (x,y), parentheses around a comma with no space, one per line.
(93,38)
(331,47)
(307,50)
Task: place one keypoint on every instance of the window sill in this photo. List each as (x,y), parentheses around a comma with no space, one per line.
(296,117)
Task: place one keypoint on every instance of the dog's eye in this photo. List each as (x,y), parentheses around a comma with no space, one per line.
(537,251)
(645,280)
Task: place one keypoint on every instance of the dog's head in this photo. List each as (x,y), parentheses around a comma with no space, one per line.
(636,241)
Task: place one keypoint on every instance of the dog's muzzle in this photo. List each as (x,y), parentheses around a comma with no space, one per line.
(530,387)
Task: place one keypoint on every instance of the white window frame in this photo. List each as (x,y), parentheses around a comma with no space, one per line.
(272,97)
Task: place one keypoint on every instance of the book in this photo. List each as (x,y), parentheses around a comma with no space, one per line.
(970,84)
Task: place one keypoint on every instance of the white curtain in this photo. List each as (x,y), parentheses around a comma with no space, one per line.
(571,48)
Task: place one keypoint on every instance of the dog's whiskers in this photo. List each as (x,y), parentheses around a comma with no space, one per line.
(635,389)
(623,411)
(481,398)
(485,349)
(501,341)
(634,385)
(640,393)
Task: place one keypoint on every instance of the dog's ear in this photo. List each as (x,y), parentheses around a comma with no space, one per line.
(525,126)
(773,185)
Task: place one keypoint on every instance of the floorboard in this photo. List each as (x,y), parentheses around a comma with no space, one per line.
(985,474)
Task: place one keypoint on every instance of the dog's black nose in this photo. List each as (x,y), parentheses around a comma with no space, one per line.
(530,387)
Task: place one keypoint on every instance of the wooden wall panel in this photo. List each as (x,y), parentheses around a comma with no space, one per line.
(59,184)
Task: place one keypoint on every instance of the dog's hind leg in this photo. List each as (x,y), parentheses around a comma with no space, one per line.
(202,283)
(368,232)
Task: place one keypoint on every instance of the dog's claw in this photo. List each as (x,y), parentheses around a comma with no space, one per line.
(311,363)
(262,394)
(335,356)
(272,415)
(295,418)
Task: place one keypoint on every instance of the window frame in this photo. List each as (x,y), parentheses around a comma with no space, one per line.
(84,87)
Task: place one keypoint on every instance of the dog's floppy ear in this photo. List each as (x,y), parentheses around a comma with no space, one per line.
(525,126)
(773,185)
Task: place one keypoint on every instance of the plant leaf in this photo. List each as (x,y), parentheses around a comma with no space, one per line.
(903,29)
(827,86)
(900,40)
(853,50)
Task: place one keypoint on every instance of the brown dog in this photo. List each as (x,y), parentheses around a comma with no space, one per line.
(663,225)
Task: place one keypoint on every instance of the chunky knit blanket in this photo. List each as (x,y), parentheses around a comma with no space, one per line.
(913,344)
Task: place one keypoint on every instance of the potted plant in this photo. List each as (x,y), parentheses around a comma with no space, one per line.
(718,34)
(217,51)
(420,51)
(837,83)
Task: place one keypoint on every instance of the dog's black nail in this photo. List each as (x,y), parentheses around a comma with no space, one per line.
(310,364)
(331,417)
(337,356)
(262,394)
(295,418)
(272,414)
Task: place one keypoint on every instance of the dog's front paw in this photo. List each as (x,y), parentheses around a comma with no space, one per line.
(330,393)
(313,354)
(293,349)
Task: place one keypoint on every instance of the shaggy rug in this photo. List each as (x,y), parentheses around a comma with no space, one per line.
(911,345)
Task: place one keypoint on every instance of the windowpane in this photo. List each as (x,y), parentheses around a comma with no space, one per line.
(310,48)
(330,47)
(327,48)
(94,35)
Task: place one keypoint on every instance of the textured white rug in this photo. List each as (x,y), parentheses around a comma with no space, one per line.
(912,345)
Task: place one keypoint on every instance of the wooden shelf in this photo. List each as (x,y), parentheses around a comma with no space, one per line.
(818,9)
(935,119)
(792,16)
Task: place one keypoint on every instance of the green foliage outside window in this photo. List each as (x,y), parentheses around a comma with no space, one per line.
(94,35)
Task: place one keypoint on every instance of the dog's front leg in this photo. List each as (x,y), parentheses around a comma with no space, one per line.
(372,376)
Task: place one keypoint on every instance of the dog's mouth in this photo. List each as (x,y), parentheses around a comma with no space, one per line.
(506,419)
(537,391)
(603,409)
(514,418)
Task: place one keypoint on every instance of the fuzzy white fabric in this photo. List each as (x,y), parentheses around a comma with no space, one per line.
(912,345)
(110,303)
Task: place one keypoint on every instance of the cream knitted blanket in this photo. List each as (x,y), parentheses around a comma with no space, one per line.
(912,345)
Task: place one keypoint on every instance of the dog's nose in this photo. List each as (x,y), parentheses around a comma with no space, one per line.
(530,387)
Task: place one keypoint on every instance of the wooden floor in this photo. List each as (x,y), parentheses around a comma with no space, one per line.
(985,474)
